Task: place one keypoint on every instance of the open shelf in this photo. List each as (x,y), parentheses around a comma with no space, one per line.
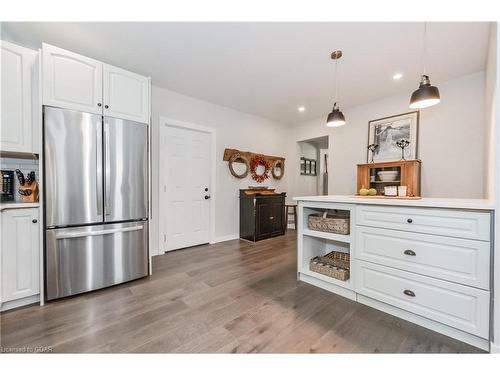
(344,284)
(327,236)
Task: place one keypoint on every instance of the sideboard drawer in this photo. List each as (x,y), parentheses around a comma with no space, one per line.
(460,224)
(458,306)
(453,259)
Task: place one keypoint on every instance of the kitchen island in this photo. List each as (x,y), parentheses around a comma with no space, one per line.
(426,260)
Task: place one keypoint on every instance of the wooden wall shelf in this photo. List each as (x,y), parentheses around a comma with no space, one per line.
(228,152)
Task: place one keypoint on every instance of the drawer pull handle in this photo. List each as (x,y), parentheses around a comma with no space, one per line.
(409,221)
(409,293)
(410,252)
(271,217)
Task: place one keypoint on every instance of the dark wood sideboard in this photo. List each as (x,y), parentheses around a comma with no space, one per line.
(262,215)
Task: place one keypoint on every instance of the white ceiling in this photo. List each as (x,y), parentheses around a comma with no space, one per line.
(269,69)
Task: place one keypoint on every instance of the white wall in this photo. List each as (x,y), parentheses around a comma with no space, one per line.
(307,185)
(451,140)
(490,112)
(234,130)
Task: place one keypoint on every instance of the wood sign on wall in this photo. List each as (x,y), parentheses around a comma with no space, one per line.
(273,164)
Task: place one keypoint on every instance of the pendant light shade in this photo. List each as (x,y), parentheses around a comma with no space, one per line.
(426,95)
(335,118)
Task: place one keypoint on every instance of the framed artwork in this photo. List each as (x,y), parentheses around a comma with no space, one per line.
(385,132)
(307,167)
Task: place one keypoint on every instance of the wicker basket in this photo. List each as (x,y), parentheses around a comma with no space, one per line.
(316,265)
(329,222)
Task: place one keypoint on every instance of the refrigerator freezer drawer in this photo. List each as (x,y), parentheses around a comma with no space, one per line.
(82,259)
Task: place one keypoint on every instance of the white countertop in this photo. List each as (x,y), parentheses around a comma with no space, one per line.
(13,205)
(471,204)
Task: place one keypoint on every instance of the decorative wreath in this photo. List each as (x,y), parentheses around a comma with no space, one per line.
(254,163)
(278,164)
(238,157)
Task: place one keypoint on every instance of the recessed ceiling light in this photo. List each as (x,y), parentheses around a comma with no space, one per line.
(301,109)
(397,76)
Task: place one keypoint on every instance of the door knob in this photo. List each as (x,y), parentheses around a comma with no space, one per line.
(34,221)
(207,196)
(410,252)
(106,106)
(99,104)
(409,221)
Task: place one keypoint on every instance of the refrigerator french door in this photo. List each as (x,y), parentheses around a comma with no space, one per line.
(96,201)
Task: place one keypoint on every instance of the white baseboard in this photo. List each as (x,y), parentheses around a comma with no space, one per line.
(494,348)
(229,237)
(19,302)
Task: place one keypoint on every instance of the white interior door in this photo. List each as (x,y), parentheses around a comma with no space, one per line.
(185,160)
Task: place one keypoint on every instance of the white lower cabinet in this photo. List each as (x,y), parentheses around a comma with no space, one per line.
(459,306)
(431,266)
(20,255)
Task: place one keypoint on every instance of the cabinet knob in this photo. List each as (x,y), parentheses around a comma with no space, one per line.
(409,293)
(99,104)
(410,252)
(34,221)
(207,196)
(106,106)
(409,221)
(271,217)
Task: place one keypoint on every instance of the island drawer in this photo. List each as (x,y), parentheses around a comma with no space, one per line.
(459,260)
(458,306)
(452,223)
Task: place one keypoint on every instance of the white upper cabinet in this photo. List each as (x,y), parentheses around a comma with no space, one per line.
(18,112)
(126,94)
(71,80)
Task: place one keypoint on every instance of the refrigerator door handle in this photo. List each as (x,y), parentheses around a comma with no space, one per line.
(64,235)
(99,172)
(107,184)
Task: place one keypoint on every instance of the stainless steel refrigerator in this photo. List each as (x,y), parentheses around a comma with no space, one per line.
(96,201)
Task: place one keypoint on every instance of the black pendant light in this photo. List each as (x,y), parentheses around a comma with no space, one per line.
(336,117)
(426,95)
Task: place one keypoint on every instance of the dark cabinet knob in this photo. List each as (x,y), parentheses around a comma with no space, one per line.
(34,221)
(206,189)
(410,252)
(99,104)
(409,221)
(106,106)
(409,293)
(207,196)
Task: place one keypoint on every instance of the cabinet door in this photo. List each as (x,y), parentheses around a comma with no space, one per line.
(71,81)
(278,214)
(16,101)
(126,94)
(20,253)
(264,217)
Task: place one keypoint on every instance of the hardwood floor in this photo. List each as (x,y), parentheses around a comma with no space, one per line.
(231,297)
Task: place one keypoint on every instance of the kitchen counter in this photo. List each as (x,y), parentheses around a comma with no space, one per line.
(457,203)
(14,205)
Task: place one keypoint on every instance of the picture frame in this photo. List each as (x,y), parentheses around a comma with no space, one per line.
(386,131)
(308,166)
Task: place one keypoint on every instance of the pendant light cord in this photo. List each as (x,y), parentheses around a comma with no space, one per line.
(336,80)
(424,48)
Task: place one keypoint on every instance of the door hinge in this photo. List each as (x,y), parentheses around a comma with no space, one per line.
(165,238)
(164,188)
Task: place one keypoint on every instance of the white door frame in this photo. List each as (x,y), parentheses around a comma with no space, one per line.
(165,121)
